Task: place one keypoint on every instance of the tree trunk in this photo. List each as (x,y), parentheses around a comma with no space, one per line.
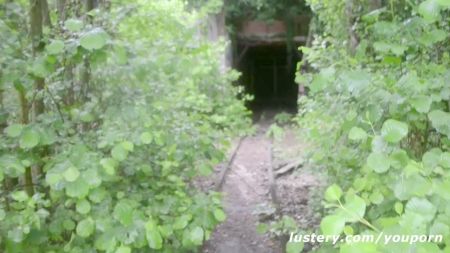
(351,20)
(46,14)
(375,4)
(38,17)
(89,5)
(8,182)
(25,114)
(61,10)
(36,26)
(3,114)
(86,75)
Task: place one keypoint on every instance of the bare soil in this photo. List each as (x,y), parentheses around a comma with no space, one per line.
(247,200)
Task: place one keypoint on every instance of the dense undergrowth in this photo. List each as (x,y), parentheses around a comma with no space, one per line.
(106,117)
(379,119)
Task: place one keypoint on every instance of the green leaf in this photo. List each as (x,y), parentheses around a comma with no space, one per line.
(294,247)
(398,49)
(14,130)
(355,81)
(348,230)
(123,249)
(119,152)
(421,206)
(2,214)
(29,139)
(197,236)
(11,165)
(399,159)
(153,236)
(205,169)
(83,206)
(432,158)
(435,36)
(109,165)
(16,235)
(444,160)
(121,54)
(128,146)
(275,132)
(333,193)
(123,212)
(422,104)
(440,120)
(262,228)
(97,195)
(393,130)
(442,188)
(85,227)
(378,162)
(354,209)
(381,46)
(444,3)
(146,138)
(322,80)
(357,134)
(430,10)
(398,207)
(359,247)
(384,47)
(106,242)
(95,39)
(55,47)
(71,174)
(414,185)
(332,225)
(182,221)
(73,25)
(19,196)
(219,215)
(40,67)
(78,189)
(376,197)
(440,228)
(69,225)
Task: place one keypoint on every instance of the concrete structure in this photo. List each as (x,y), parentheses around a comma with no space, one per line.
(265,55)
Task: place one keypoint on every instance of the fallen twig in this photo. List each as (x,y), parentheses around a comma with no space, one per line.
(272,183)
(224,172)
(288,167)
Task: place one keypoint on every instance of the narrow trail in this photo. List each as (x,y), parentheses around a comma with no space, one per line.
(247,198)
(246,189)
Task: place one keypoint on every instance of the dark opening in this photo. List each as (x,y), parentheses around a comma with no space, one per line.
(268,73)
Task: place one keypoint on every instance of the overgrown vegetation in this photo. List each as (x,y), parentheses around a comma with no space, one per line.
(379,117)
(108,110)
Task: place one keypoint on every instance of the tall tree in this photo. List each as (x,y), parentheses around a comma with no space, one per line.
(36,27)
(39,15)
(86,74)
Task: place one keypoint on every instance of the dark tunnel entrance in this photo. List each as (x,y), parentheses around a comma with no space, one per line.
(266,53)
(268,73)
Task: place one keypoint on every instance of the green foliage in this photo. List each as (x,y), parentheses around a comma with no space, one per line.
(263,9)
(379,119)
(136,107)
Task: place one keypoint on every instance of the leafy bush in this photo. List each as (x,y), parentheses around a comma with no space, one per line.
(135,108)
(379,118)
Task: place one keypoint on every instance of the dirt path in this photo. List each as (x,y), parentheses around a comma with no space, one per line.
(246,195)
(245,190)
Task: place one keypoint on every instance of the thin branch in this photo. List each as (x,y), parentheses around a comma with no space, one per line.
(58,108)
